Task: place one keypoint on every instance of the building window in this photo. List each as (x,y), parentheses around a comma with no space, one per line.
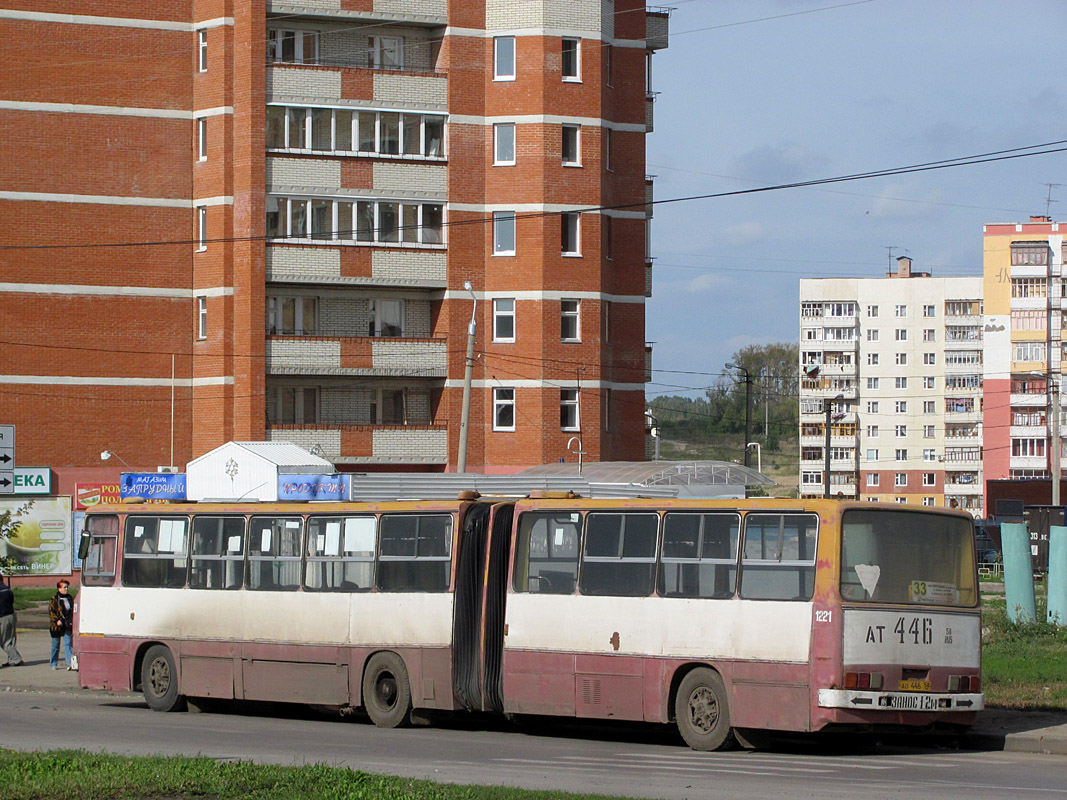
(504,320)
(929,454)
(385,52)
(201,221)
(901,431)
(929,335)
(872,478)
(872,359)
(571,60)
(902,359)
(201,318)
(929,407)
(872,335)
(928,501)
(503,233)
(1028,447)
(872,406)
(902,406)
(902,334)
(202,35)
(504,58)
(929,311)
(929,382)
(900,479)
(1028,351)
(900,383)
(872,311)
(293,47)
(568,409)
(569,328)
(872,383)
(503,409)
(569,233)
(811,478)
(901,454)
(571,145)
(929,359)
(201,138)
(293,405)
(872,454)
(503,144)
(291,316)
(354,220)
(900,311)
(386,318)
(345,131)
(872,432)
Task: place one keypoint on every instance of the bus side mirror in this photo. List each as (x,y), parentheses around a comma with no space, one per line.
(83,544)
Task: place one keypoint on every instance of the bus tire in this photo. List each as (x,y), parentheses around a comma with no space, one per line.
(386,691)
(702,713)
(159,680)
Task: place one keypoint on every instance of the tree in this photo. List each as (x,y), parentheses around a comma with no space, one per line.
(775,372)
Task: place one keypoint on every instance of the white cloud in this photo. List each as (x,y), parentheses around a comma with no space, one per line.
(705,283)
(743,233)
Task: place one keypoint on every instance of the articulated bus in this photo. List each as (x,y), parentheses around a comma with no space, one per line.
(729,618)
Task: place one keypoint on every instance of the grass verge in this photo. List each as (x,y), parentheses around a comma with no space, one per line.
(24,598)
(77,775)
(1023,666)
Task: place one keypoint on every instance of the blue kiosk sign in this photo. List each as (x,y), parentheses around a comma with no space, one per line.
(314,487)
(153,485)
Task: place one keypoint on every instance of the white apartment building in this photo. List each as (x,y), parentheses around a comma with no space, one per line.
(895,365)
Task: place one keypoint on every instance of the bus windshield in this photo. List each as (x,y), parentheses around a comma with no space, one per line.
(907,557)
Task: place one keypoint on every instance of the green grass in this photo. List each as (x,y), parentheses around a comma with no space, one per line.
(76,775)
(25,598)
(1023,666)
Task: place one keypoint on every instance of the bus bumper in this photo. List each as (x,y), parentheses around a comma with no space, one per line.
(857,700)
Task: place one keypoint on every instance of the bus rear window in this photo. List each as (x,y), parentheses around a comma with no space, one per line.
(907,557)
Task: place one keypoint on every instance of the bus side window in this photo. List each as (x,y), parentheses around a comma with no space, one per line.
(274,553)
(779,556)
(546,552)
(98,566)
(620,554)
(699,556)
(415,553)
(340,553)
(154,552)
(217,553)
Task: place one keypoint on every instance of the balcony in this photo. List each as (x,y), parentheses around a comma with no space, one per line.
(657,28)
(356,355)
(357,266)
(311,84)
(369,444)
(412,12)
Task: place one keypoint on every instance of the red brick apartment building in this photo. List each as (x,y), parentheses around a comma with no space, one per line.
(232,219)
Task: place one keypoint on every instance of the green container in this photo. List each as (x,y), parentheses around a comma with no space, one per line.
(1057,575)
(1018,572)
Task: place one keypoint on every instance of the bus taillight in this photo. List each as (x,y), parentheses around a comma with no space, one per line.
(964,683)
(863,680)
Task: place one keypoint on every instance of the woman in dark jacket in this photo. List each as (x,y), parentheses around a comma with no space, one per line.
(61,622)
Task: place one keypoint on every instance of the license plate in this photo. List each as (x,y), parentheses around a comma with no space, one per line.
(910,702)
(915,686)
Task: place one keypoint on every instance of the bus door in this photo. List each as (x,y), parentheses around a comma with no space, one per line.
(478,622)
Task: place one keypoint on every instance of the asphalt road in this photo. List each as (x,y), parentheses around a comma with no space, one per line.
(631,761)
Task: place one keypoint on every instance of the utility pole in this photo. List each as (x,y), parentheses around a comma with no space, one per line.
(748,406)
(465,415)
(1054,422)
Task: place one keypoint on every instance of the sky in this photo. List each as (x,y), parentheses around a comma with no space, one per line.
(763,92)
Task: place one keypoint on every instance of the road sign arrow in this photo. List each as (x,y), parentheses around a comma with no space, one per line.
(4,458)
(5,483)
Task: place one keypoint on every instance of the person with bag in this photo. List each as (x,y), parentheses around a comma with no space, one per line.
(61,623)
(7,625)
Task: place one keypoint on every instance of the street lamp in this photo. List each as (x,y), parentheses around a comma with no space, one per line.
(759,456)
(748,405)
(465,415)
(104,456)
(829,407)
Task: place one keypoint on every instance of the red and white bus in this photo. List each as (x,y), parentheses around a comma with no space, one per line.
(726,617)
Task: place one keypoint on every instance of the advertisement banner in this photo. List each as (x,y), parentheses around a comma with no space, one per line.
(38,540)
(79,526)
(87,495)
(153,485)
(314,487)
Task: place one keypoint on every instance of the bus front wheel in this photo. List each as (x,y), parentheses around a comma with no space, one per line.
(386,691)
(702,713)
(159,680)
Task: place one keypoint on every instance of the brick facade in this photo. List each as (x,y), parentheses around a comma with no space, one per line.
(156,175)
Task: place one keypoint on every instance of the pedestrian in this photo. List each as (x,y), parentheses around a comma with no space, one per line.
(61,623)
(7,625)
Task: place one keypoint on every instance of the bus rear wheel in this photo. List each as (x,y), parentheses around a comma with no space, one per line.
(702,713)
(159,680)
(386,691)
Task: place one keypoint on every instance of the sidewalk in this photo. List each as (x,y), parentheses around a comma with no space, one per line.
(996,729)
